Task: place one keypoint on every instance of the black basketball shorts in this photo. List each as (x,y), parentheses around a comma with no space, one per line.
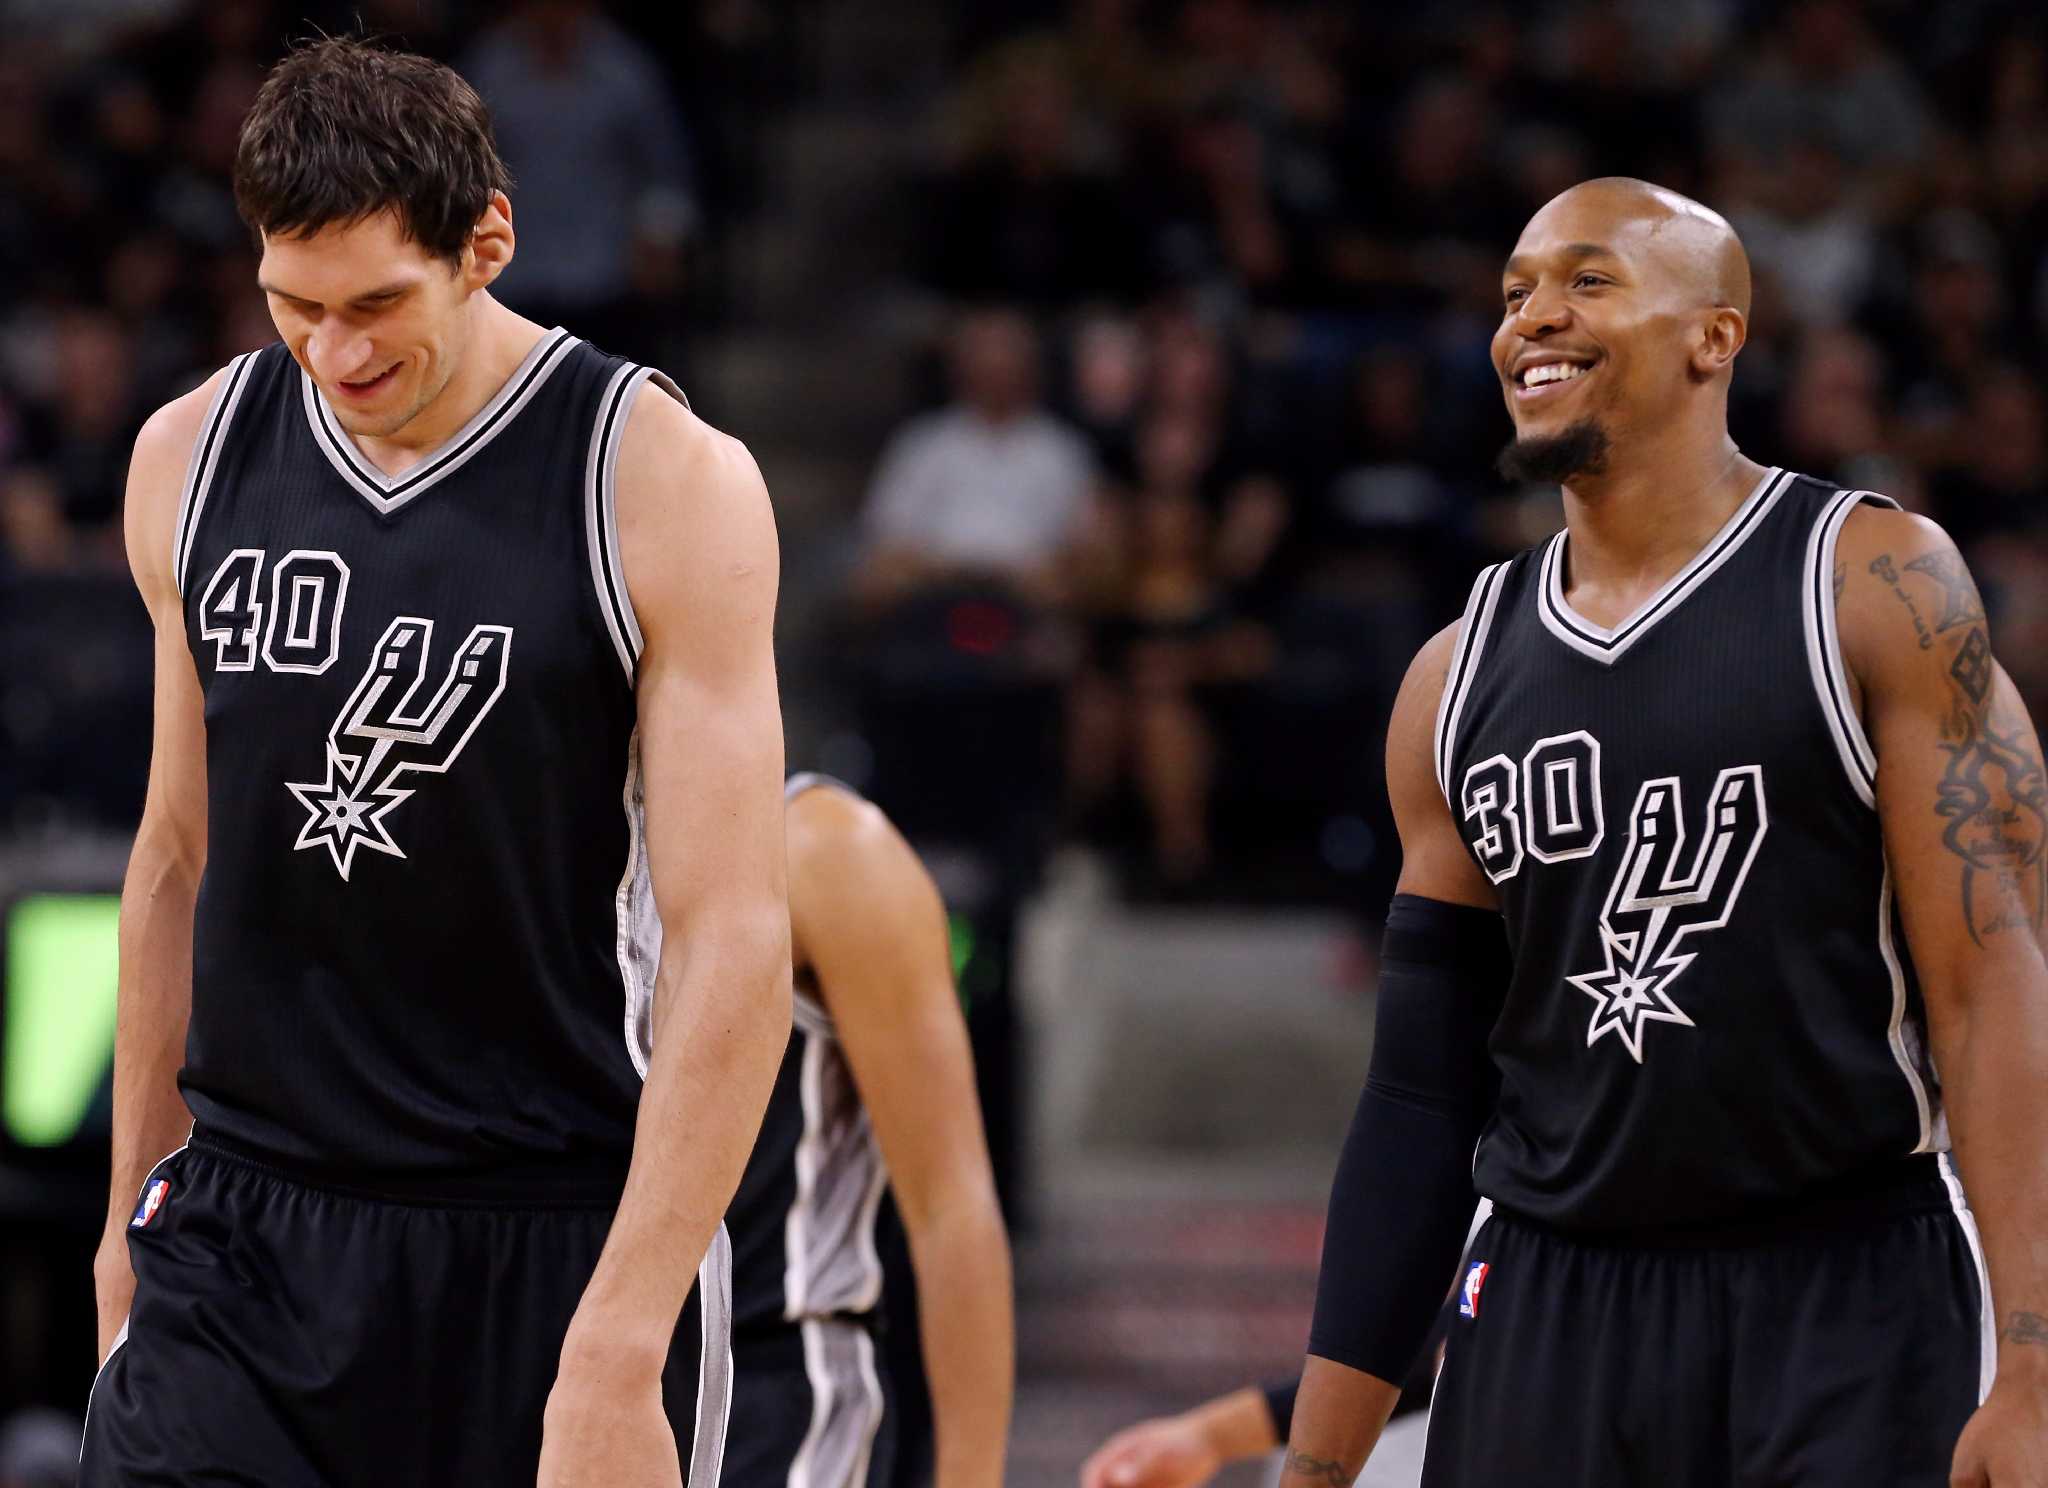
(293,1336)
(1843,1351)
(811,1407)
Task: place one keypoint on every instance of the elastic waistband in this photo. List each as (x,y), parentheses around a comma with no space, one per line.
(1896,1190)
(530,1185)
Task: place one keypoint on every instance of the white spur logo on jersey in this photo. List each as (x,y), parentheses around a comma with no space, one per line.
(1657,900)
(379,737)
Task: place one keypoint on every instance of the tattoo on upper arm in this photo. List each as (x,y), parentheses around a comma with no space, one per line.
(1841,580)
(2025,1328)
(1993,792)
(1959,602)
(1319,1469)
(1885,569)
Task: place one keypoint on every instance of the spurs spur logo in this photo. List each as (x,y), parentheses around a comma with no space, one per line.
(1658,900)
(379,737)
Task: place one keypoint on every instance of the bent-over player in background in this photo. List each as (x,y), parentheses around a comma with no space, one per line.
(876,1093)
(459,887)
(1722,834)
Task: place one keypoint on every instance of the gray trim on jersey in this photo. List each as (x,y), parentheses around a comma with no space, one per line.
(830,1264)
(639,922)
(1987,1315)
(714,1363)
(1609,646)
(205,459)
(1908,1042)
(846,1406)
(387,493)
(601,514)
(1472,633)
(1824,644)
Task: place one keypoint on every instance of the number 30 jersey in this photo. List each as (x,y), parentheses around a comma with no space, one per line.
(1713,1012)
(425,945)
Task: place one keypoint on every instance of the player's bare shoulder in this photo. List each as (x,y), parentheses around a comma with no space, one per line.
(156,481)
(1902,592)
(694,518)
(843,851)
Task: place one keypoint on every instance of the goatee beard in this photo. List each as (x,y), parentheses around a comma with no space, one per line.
(1552,459)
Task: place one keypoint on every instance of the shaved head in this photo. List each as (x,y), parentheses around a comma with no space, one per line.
(1691,241)
(1625,305)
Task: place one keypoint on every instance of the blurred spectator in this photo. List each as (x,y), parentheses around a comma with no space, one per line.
(604,207)
(990,489)
(1022,217)
(39,1449)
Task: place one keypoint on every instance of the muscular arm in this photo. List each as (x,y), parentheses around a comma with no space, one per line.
(1340,1411)
(868,920)
(164,864)
(697,540)
(1964,806)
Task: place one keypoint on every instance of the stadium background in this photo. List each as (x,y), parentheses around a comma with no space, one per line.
(1119,372)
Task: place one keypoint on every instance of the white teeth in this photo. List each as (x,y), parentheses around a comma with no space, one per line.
(1551,372)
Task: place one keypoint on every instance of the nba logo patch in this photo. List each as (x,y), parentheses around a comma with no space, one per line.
(1468,1294)
(152,1200)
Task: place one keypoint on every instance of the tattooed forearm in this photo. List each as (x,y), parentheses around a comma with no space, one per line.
(1885,569)
(1959,602)
(1317,1470)
(2025,1328)
(1993,794)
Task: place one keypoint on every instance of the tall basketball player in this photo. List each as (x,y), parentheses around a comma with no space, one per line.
(876,1092)
(459,889)
(1722,834)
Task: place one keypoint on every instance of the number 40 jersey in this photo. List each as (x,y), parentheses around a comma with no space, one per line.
(1713,1012)
(425,946)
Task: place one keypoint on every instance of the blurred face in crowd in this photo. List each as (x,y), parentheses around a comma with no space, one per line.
(380,323)
(995,363)
(1623,306)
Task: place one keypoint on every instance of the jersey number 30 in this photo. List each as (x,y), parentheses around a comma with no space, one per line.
(1549,803)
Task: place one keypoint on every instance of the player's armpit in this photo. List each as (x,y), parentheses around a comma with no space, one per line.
(1434,861)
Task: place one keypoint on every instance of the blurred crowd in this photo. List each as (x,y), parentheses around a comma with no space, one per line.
(1223,275)
(1210,437)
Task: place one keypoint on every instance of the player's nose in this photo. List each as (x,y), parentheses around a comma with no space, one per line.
(1541,311)
(339,354)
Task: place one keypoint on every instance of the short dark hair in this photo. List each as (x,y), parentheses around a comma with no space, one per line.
(344,129)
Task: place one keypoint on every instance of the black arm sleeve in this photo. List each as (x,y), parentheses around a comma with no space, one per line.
(1403,1193)
(1280,1406)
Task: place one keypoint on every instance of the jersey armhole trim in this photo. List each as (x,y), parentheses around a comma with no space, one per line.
(205,459)
(1472,633)
(1830,672)
(601,516)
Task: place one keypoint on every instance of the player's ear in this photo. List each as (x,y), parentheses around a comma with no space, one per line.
(1720,337)
(490,243)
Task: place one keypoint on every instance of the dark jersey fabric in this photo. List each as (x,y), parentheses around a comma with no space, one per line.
(424,944)
(1713,1013)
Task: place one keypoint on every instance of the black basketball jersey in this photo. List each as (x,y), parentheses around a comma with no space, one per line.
(425,946)
(803,1222)
(1713,1011)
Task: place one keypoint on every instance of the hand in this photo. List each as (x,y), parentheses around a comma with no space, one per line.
(2006,1443)
(1170,1452)
(113,1284)
(605,1426)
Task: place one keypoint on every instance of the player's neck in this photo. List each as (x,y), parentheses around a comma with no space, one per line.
(499,341)
(1644,518)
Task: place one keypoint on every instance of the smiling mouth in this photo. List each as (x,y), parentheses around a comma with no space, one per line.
(1548,378)
(369,387)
